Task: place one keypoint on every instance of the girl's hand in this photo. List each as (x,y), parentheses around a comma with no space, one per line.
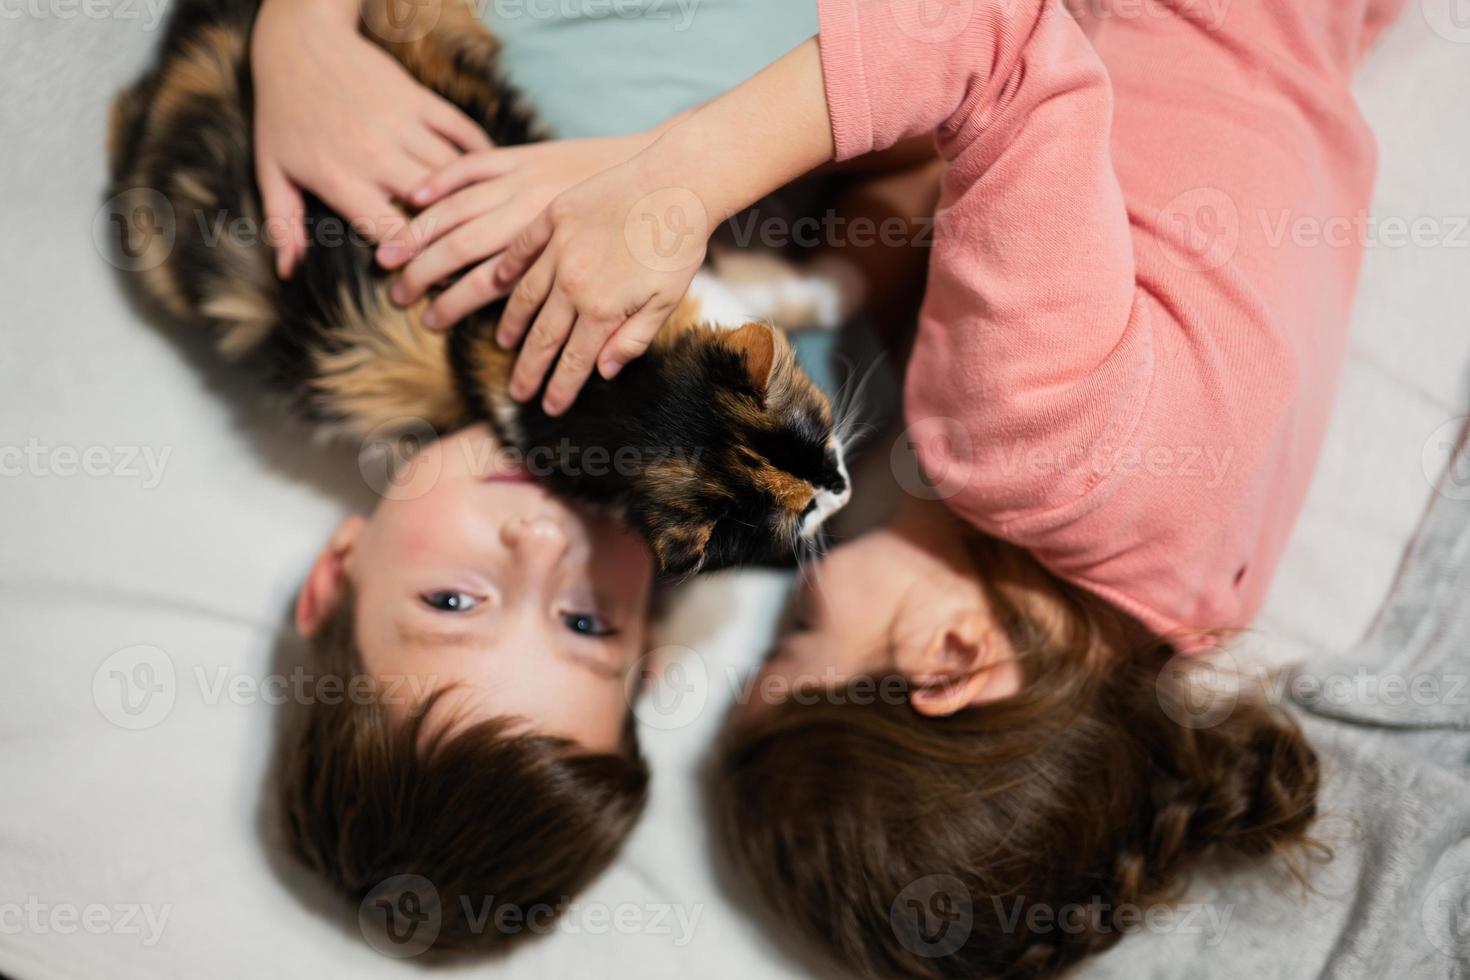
(475,206)
(604,264)
(337,116)
(609,259)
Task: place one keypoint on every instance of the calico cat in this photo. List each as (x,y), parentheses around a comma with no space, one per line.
(733,456)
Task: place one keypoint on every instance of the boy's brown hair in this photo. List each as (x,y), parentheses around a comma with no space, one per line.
(920,847)
(481,835)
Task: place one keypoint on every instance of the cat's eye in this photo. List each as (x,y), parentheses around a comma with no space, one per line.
(587,624)
(450,601)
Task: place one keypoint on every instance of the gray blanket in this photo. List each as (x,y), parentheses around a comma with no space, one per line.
(1391,720)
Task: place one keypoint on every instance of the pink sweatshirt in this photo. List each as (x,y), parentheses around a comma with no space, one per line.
(1143,264)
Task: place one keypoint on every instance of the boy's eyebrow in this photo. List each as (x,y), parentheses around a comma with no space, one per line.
(435,638)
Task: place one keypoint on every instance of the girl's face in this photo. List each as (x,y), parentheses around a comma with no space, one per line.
(905,599)
(480,580)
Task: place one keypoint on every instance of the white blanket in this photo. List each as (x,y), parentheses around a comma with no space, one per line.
(152,535)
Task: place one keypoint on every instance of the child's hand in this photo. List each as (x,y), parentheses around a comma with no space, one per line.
(607,261)
(604,264)
(337,116)
(474,207)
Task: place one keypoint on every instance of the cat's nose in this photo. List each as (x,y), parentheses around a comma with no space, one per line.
(539,540)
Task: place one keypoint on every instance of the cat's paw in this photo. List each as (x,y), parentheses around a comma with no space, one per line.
(822,295)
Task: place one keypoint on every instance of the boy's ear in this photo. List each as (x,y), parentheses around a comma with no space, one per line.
(756,345)
(317,601)
(965,663)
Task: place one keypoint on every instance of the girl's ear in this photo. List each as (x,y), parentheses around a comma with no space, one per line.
(318,599)
(967,662)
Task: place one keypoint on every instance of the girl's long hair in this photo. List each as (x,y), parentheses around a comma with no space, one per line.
(1012,838)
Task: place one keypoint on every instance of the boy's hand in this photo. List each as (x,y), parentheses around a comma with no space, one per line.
(475,207)
(337,116)
(600,269)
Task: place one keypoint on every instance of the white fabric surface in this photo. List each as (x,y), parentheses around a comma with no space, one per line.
(200,560)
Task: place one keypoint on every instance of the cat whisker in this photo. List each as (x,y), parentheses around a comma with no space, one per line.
(797,545)
(804,565)
(853,438)
(848,404)
(850,391)
(809,554)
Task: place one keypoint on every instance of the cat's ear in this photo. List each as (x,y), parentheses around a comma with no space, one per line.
(680,549)
(756,345)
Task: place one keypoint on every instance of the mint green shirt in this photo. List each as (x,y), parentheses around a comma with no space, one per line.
(604,67)
(607,67)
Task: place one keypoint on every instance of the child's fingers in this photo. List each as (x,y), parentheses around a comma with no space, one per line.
(437,263)
(401,174)
(575,365)
(459,128)
(630,340)
(474,289)
(431,149)
(529,244)
(471,168)
(474,242)
(368,210)
(432,225)
(535,280)
(547,335)
(285,216)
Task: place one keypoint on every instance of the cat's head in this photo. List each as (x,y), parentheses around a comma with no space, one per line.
(763,467)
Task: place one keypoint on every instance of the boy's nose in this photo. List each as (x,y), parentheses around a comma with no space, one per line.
(540,541)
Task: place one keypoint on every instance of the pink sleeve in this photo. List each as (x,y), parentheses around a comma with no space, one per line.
(1100,298)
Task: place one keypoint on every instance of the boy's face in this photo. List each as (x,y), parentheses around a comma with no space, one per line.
(486,583)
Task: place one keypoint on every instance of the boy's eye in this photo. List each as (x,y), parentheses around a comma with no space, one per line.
(453,602)
(587,624)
